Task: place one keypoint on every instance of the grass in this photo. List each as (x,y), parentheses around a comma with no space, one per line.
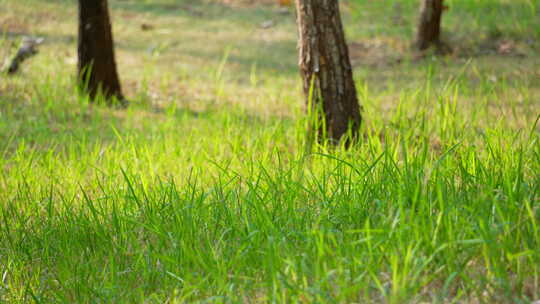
(203,192)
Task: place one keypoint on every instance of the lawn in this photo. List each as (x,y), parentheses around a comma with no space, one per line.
(206,190)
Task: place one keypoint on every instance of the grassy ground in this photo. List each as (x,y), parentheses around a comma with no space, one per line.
(204,189)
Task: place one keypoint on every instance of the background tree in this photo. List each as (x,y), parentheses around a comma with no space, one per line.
(96,66)
(429,27)
(326,68)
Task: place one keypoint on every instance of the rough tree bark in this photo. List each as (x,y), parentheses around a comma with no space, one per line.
(326,68)
(97,65)
(429,28)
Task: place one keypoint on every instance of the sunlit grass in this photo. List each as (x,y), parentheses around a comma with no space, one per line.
(202,191)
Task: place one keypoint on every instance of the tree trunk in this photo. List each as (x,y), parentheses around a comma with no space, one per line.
(97,66)
(326,69)
(429,28)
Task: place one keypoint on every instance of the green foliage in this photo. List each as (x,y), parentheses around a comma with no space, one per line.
(206,190)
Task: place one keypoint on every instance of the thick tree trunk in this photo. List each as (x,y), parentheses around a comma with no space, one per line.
(97,66)
(326,69)
(429,28)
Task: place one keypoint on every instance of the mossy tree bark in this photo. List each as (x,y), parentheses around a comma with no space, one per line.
(326,69)
(429,27)
(96,63)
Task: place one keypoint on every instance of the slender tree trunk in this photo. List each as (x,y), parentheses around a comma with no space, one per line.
(326,69)
(97,66)
(429,28)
